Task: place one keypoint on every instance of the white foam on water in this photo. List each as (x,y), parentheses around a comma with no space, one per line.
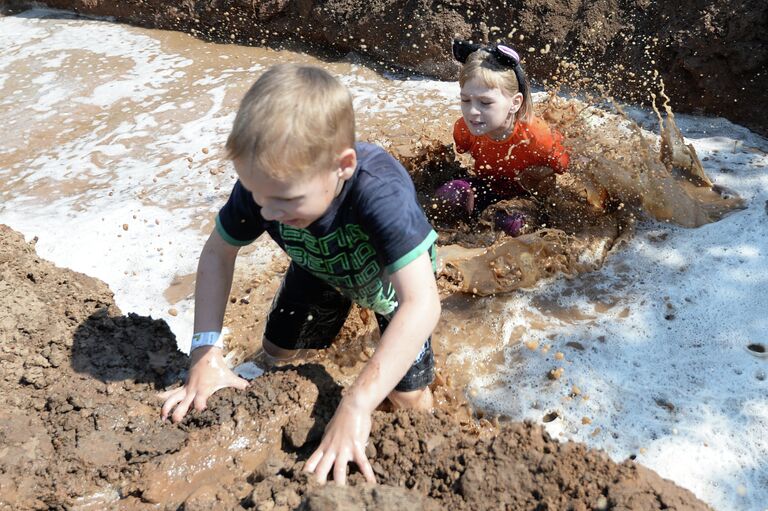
(664,362)
(666,369)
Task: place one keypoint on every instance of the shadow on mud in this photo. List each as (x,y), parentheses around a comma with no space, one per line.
(135,348)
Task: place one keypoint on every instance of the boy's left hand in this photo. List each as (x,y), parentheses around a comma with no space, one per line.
(344,440)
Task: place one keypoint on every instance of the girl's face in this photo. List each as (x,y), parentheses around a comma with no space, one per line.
(488,111)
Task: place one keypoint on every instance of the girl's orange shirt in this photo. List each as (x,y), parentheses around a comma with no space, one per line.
(529,144)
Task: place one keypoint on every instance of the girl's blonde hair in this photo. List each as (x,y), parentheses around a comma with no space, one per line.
(294,121)
(481,64)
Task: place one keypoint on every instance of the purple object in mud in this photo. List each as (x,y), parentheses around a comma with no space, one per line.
(510,223)
(456,194)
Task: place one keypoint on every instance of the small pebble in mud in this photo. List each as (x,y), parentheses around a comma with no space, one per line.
(205,150)
(125,227)
(532,345)
(601,504)
(172,311)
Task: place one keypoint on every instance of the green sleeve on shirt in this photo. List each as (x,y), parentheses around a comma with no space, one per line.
(414,253)
(229,239)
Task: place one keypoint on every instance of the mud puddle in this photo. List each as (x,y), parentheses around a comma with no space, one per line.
(81,429)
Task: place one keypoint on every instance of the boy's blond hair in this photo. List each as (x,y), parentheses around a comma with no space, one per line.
(481,64)
(294,121)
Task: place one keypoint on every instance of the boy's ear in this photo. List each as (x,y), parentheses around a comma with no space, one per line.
(347,163)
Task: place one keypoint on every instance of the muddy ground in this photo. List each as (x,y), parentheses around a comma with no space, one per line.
(80,428)
(712,54)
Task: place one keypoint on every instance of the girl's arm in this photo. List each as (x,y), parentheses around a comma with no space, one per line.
(548,143)
(462,138)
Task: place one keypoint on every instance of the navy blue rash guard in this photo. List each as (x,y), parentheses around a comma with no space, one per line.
(373,228)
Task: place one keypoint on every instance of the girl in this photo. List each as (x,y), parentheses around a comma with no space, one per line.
(515,152)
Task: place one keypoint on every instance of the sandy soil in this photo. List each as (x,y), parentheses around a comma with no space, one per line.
(80,428)
(712,54)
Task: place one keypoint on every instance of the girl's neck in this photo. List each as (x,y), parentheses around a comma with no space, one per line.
(505,133)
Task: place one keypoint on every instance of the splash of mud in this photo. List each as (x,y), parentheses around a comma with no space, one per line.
(80,427)
(621,163)
(618,174)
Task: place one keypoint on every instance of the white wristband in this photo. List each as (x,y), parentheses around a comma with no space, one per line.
(207,339)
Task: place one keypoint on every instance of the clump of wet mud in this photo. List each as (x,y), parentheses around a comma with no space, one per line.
(619,174)
(80,428)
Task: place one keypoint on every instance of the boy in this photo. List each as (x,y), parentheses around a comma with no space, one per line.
(347,216)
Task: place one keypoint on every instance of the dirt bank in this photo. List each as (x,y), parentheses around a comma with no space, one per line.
(80,428)
(712,54)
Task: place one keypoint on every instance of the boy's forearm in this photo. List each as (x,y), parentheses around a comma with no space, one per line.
(214,281)
(400,344)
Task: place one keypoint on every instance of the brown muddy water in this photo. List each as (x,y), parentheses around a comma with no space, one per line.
(113,158)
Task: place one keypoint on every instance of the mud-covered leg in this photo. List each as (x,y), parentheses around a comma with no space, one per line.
(420,399)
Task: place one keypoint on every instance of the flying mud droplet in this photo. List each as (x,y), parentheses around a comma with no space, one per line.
(663,403)
(532,345)
(757,349)
(551,416)
(586,420)
(555,374)
(125,227)
(173,312)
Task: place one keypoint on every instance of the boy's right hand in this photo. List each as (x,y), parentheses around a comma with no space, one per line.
(207,373)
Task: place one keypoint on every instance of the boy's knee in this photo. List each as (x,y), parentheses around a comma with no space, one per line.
(419,399)
(276,353)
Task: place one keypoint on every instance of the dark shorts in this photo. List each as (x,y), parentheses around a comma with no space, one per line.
(308,313)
